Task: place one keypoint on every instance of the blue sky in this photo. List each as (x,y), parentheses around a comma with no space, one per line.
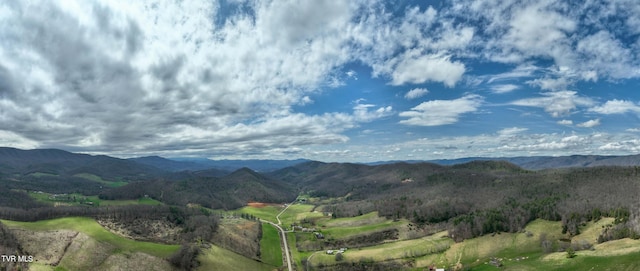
(326,80)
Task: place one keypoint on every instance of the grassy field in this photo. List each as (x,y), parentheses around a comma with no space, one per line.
(270,251)
(340,228)
(299,212)
(391,251)
(84,200)
(97,179)
(516,251)
(42,174)
(267,213)
(90,227)
(366,219)
(216,258)
(519,251)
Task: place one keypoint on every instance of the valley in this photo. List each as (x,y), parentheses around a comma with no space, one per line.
(68,213)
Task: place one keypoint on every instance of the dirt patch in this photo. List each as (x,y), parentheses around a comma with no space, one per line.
(262,204)
(46,247)
(257,204)
(85,253)
(160,231)
(134,261)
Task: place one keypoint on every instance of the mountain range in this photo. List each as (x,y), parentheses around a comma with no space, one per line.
(56,161)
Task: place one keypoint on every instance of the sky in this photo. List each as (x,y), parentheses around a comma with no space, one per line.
(344,81)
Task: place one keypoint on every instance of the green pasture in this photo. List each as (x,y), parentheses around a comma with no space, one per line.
(390,251)
(270,251)
(297,213)
(84,200)
(365,219)
(350,231)
(98,179)
(267,213)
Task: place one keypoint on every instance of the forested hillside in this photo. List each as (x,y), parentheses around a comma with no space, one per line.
(469,199)
(229,192)
(475,198)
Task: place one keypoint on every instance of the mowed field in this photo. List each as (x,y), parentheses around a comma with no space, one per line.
(270,250)
(266,212)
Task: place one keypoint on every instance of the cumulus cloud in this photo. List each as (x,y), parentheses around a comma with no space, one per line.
(206,77)
(565,122)
(115,77)
(416,93)
(627,146)
(511,131)
(616,107)
(607,55)
(558,103)
(441,112)
(416,69)
(362,113)
(590,123)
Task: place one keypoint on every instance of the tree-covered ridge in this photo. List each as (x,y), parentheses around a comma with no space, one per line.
(479,197)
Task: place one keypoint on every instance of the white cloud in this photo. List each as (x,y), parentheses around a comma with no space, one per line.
(11,139)
(590,123)
(441,112)
(190,76)
(553,84)
(607,55)
(557,103)
(501,89)
(352,74)
(512,131)
(416,69)
(536,30)
(416,93)
(521,71)
(626,146)
(565,122)
(616,107)
(362,113)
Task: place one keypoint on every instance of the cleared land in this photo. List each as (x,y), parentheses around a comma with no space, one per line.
(81,244)
(270,251)
(299,212)
(79,199)
(91,228)
(266,212)
(98,179)
(216,258)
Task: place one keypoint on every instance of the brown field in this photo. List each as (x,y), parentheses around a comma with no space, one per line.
(262,204)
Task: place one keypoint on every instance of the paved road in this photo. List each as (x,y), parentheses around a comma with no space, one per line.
(284,241)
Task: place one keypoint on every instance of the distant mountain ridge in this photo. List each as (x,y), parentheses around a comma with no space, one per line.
(199,164)
(542,162)
(14,160)
(59,162)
